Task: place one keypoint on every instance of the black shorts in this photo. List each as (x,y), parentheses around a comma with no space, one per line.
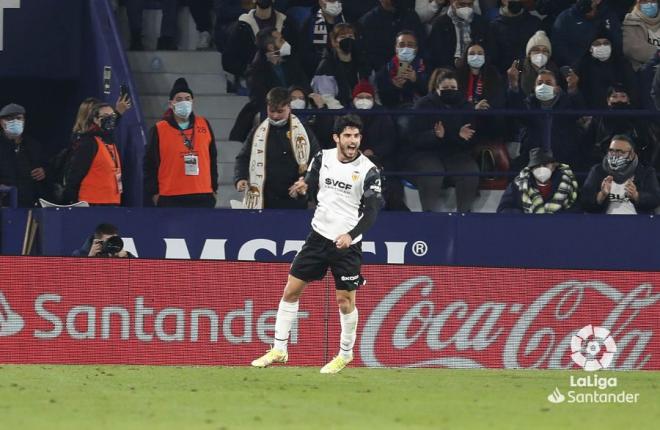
(319,253)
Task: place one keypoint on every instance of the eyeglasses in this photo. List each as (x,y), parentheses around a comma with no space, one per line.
(617,152)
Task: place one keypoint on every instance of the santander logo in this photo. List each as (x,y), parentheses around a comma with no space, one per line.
(10,322)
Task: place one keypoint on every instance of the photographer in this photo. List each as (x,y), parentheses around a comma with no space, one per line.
(105,242)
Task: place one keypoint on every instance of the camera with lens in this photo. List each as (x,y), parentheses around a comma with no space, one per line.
(111,247)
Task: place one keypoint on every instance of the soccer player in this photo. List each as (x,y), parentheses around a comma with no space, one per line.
(349,197)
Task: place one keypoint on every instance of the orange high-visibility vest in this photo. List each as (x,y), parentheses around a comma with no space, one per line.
(172,179)
(100,185)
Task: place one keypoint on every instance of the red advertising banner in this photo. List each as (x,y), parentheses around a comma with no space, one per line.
(84,311)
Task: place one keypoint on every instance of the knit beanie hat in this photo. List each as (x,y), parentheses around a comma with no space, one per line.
(180,86)
(539,39)
(363,86)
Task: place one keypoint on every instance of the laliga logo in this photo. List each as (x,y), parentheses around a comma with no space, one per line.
(10,322)
(590,341)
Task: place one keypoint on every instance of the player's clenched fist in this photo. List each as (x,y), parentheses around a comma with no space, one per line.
(343,241)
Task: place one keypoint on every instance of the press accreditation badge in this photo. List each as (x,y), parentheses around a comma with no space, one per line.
(191,163)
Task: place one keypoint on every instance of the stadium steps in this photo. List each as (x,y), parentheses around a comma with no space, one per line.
(156,71)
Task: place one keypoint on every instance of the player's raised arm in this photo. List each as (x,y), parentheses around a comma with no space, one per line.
(312,176)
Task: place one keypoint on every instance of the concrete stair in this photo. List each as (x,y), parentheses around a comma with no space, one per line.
(155,72)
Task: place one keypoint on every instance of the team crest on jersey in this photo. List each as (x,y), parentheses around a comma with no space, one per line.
(355,176)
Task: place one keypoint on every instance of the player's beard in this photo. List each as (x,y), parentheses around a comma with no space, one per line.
(349,151)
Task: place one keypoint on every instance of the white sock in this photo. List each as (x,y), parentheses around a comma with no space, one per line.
(348,333)
(286,315)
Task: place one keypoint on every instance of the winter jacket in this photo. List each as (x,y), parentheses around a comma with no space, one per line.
(645,180)
(442,40)
(281,166)
(393,96)
(573,34)
(636,45)
(241,47)
(563,130)
(511,34)
(16,163)
(597,76)
(511,201)
(378,29)
(422,134)
(264,76)
(346,75)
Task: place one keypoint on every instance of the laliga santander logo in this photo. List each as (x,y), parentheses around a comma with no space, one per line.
(587,348)
(10,322)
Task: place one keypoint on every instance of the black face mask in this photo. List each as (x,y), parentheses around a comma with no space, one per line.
(450,97)
(264,4)
(347,45)
(108,123)
(583,6)
(514,7)
(619,106)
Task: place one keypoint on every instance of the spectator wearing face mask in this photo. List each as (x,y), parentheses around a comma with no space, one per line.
(274,156)
(511,31)
(242,42)
(342,63)
(452,33)
(563,131)
(315,33)
(601,68)
(379,135)
(403,79)
(641,33)
(379,26)
(538,57)
(621,184)
(95,174)
(22,162)
(480,82)
(602,128)
(441,143)
(576,27)
(180,163)
(274,66)
(544,186)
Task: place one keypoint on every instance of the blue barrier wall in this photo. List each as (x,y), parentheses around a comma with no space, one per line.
(497,240)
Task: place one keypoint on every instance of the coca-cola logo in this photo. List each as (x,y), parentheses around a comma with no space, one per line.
(418,321)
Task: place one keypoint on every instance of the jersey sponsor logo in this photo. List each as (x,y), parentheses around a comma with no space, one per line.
(350,278)
(335,183)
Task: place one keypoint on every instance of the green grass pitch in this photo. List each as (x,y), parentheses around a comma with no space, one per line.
(145,397)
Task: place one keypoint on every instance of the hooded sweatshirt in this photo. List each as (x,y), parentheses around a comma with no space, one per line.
(641,37)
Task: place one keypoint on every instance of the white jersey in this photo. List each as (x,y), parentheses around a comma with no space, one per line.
(341,189)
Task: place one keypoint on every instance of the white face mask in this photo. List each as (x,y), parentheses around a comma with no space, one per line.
(14,127)
(285,49)
(542,174)
(544,92)
(539,60)
(464,13)
(333,8)
(363,103)
(183,109)
(406,54)
(602,52)
(278,123)
(297,104)
(476,61)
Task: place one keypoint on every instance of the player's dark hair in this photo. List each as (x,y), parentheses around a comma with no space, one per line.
(105,228)
(347,121)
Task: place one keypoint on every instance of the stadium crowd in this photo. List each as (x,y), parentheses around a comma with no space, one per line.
(422,75)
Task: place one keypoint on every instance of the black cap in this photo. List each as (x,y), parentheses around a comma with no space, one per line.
(538,156)
(180,86)
(12,109)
